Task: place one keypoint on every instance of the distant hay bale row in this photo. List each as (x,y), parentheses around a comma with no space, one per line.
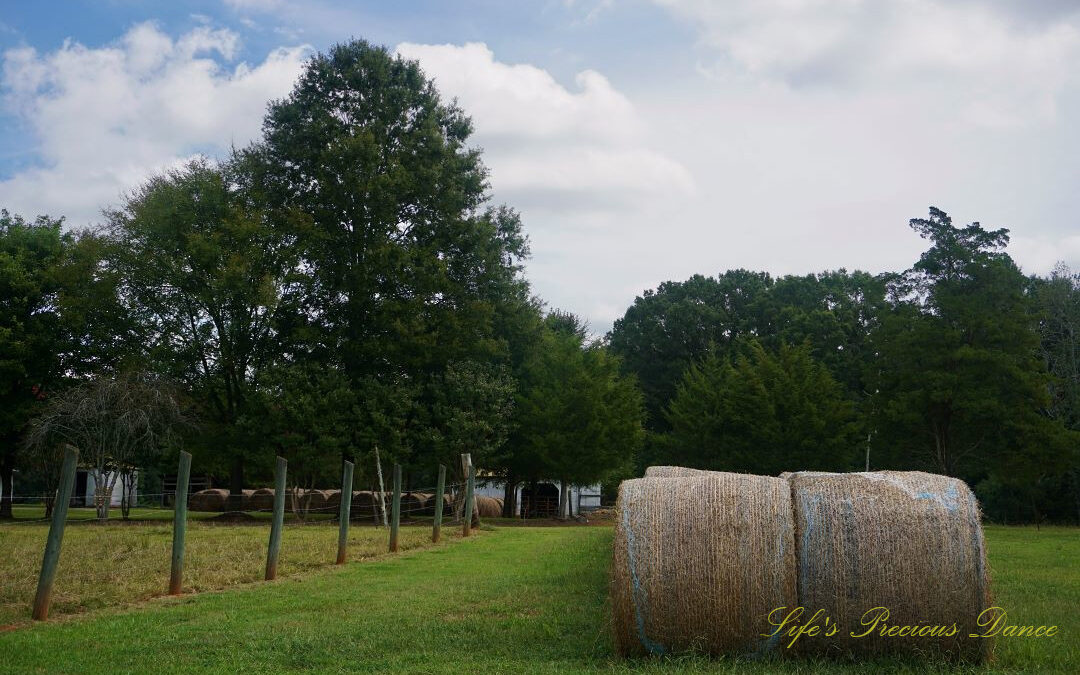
(323,501)
(702,557)
(700,561)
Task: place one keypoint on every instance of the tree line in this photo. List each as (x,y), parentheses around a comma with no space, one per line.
(340,287)
(344,287)
(960,365)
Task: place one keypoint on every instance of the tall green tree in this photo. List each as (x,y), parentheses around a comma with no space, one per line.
(1058,299)
(960,386)
(577,419)
(31,254)
(761,412)
(404,266)
(204,274)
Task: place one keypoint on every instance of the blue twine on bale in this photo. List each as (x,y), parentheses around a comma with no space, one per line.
(650,645)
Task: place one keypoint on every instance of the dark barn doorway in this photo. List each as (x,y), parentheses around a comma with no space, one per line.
(539,500)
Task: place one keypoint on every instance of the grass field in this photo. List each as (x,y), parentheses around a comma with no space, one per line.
(123,563)
(514,600)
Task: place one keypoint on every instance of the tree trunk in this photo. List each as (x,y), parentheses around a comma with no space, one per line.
(7,486)
(509,497)
(236,485)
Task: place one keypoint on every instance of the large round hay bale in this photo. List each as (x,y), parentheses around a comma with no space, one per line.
(245,499)
(261,500)
(675,472)
(700,562)
(910,542)
(488,507)
(213,499)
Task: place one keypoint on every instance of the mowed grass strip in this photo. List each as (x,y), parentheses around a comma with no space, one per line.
(511,601)
(124,563)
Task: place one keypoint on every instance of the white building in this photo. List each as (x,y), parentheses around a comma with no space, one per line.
(83,494)
(583,498)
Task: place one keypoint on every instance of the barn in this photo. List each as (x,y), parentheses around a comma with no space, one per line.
(545,503)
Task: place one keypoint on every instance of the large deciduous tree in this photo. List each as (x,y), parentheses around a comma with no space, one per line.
(204,273)
(31,254)
(405,271)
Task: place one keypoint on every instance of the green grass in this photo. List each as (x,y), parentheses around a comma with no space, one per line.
(516,600)
(123,563)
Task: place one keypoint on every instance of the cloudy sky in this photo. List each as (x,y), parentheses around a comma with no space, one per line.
(641,140)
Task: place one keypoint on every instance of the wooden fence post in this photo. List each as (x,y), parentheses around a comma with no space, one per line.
(436,529)
(395,510)
(466,528)
(279,516)
(183,476)
(56,535)
(344,512)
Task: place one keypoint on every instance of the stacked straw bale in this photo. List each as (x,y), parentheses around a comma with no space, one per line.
(908,541)
(213,499)
(700,561)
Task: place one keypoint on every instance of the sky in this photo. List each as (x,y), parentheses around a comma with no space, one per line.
(641,140)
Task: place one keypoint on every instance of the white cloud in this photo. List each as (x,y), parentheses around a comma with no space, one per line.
(589,175)
(104,119)
(1000,71)
(547,145)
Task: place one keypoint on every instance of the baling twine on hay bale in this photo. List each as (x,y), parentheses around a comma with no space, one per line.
(700,561)
(911,542)
(213,499)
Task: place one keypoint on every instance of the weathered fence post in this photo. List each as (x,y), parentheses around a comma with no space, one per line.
(344,512)
(279,517)
(466,527)
(183,476)
(395,510)
(436,529)
(56,535)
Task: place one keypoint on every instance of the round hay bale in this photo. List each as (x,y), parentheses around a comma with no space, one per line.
(675,472)
(911,542)
(314,500)
(245,499)
(412,504)
(488,507)
(700,562)
(261,500)
(362,505)
(333,501)
(213,499)
(428,499)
